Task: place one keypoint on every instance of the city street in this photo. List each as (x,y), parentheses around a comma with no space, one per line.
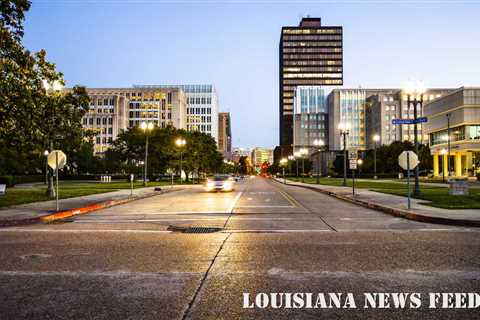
(135,261)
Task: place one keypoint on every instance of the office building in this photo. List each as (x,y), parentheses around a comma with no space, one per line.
(225,135)
(202,106)
(261,156)
(309,117)
(237,153)
(347,106)
(309,55)
(370,112)
(115,109)
(459,113)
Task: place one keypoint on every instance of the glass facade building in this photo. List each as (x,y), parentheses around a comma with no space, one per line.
(310,116)
(310,55)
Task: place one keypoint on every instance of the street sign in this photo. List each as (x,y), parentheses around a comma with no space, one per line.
(409,121)
(353,164)
(403,121)
(52,159)
(353,154)
(408,160)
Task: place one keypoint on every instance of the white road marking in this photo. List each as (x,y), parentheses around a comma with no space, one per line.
(275,231)
(84,230)
(265,206)
(234,202)
(32,230)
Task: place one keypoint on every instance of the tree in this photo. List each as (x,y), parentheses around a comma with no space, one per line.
(32,119)
(199,155)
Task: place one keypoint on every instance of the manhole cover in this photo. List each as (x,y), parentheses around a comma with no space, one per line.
(193,229)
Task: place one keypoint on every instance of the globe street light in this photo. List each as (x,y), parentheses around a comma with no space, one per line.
(146,127)
(283,162)
(344,129)
(303,153)
(443,152)
(375,138)
(318,143)
(415,90)
(45,153)
(180,143)
(290,158)
(51,87)
(297,155)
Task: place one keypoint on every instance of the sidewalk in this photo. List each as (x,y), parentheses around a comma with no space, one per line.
(397,205)
(32,212)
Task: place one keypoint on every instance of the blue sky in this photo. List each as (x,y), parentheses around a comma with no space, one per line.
(234,45)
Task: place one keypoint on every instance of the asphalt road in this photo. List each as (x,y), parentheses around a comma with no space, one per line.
(125,262)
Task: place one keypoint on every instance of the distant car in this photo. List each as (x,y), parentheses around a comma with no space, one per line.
(219,183)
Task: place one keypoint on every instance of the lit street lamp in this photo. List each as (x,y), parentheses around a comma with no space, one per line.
(297,155)
(146,127)
(180,142)
(283,162)
(359,163)
(51,88)
(45,153)
(291,158)
(416,91)
(448,144)
(303,153)
(376,138)
(318,143)
(443,152)
(344,131)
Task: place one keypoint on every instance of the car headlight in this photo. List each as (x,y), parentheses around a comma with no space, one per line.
(210,184)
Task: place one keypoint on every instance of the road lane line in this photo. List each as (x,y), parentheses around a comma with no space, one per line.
(234,202)
(84,230)
(291,199)
(265,206)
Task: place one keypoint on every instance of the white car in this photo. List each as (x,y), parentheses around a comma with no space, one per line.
(219,183)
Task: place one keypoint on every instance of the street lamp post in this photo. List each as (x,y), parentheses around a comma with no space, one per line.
(283,162)
(417,90)
(344,131)
(146,127)
(376,138)
(443,152)
(359,163)
(45,153)
(180,142)
(303,153)
(290,158)
(297,155)
(448,144)
(318,143)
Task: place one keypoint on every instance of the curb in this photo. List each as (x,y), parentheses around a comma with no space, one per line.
(410,215)
(49,218)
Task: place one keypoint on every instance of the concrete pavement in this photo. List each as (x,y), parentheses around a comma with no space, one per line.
(38,209)
(124,263)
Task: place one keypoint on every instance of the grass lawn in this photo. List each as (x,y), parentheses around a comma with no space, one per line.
(438,196)
(68,189)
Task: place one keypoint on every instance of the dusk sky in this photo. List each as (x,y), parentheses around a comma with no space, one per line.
(234,45)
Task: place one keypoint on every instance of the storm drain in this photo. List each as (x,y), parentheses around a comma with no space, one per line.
(194,229)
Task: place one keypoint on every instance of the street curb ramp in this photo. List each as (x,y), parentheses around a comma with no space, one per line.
(49,218)
(410,215)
